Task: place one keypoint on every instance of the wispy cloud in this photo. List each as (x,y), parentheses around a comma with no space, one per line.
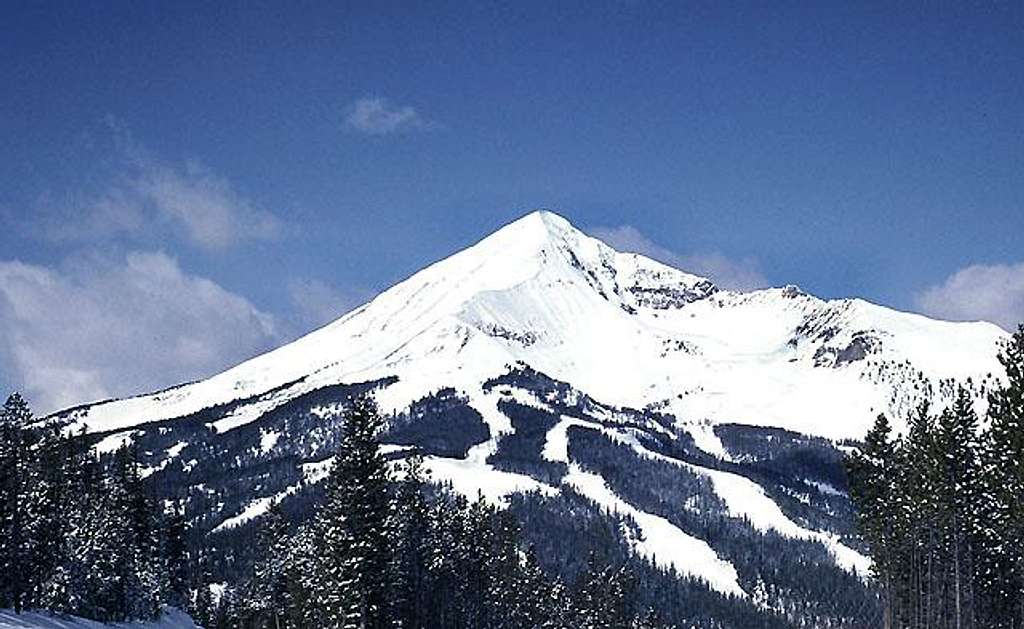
(375,115)
(145,195)
(101,326)
(978,292)
(728,273)
(211,212)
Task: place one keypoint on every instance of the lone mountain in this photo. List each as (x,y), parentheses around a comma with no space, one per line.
(548,373)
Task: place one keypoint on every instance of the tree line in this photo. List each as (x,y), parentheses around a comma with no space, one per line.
(942,509)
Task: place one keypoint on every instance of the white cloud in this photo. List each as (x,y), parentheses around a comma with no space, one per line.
(316,303)
(115,213)
(144,195)
(979,292)
(97,327)
(374,115)
(213,215)
(725,272)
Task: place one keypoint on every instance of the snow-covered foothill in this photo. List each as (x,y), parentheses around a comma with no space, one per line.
(743,498)
(473,476)
(747,500)
(660,541)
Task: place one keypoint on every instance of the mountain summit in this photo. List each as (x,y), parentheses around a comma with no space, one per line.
(621,327)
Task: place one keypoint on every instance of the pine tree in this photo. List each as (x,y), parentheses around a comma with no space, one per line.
(917,502)
(537,603)
(475,563)
(506,590)
(556,600)
(409,529)
(16,440)
(202,607)
(449,557)
(97,558)
(1004,471)
(81,481)
(175,551)
(602,595)
(942,512)
(960,492)
(350,590)
(49,477)
(872,472)
(302,565)
(268,597)
(140,573)
(647,620)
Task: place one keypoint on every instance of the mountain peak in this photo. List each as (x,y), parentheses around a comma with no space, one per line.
(533,231)
(551,221)
(590,255)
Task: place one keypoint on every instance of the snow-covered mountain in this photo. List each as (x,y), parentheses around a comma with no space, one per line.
(544,370)
(620,327)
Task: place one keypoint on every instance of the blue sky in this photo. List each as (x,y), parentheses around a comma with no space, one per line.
(284,163)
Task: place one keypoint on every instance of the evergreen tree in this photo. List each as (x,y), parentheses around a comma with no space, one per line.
(75,537)
(602,595)
(917,503)
(140,572)
(269,598)
(175,553)
(303,562)
(62,464)
(202,607)
(872,473)
(960,493)
(474,568)
(537,603)
(506,590)
(96,555)
(70,531)
(350,587)
(449,556)
(1004,468)
(410,530)
(16,437)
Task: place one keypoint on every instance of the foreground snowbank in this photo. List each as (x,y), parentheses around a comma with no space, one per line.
(172,619)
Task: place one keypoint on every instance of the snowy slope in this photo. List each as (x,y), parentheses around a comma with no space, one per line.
(661,541)
(172,619)
(625,329)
